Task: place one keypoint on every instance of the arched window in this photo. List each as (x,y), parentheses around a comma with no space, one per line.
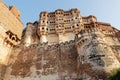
(43,14)
(42,28)
(10,36)
(77,24)
(13,38)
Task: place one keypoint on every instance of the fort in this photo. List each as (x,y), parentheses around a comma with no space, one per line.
(59,26)
(61,45)
(10,30)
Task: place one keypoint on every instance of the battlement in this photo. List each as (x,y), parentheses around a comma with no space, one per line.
(61,26)
(61,45)
(60,11)
(10,18)
(10,30)
(48,47)
(96,28)
(15,11)
(89,19)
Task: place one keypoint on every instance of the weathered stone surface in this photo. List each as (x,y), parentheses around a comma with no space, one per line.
(10,30)
(59,60)
(93,53)
(9,20)
(89,57)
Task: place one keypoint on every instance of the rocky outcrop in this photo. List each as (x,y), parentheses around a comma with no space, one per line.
(93,53)
(91,56)
(44,62)
(98,49)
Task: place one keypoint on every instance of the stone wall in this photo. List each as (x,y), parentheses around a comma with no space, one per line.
(40,61)
(93,53)
(15,11)
(9,20)
(89,56)
(99,50)
(10,30)
(29,35)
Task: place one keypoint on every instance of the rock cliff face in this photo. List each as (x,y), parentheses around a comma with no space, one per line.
(10,30)
(91,56)
(44,62)
(93,53)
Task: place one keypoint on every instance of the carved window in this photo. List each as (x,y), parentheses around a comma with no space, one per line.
(77,24)
(42,28)
(10,36)
(16,40)
(52,29)
(13,38)
(74,11)
(59,25)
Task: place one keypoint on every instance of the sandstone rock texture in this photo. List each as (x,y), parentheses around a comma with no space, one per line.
(9,18)
(10,30)
(90,54)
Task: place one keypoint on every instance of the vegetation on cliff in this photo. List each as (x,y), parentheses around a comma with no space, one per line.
(115,75)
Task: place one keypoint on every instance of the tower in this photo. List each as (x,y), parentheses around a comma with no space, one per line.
(77,20)
(43,27)
(59,24)
(28,33)
(10,30)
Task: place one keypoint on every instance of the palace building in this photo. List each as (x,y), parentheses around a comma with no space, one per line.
(59,26)
(61,45)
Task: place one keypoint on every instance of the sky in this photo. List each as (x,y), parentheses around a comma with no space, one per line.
(105,10)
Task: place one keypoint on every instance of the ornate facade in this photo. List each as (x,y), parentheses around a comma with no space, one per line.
(62,45)
(59,26)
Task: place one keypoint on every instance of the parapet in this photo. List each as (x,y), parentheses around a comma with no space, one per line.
(29,23)
(59,11)
(10,17)
(89,19)
(43,14)
(15,11)
(75,10)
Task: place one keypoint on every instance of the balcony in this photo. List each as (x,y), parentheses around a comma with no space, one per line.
(10,41)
